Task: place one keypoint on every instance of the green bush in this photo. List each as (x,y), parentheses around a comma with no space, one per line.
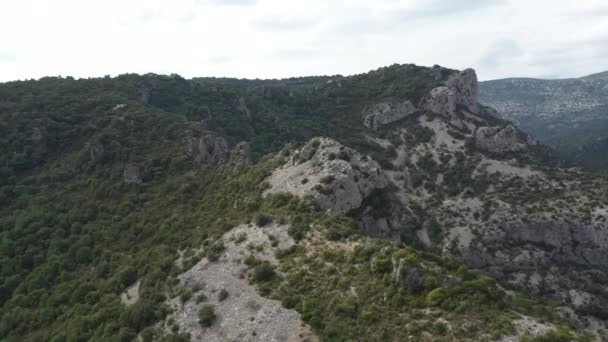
(263,219)
(263,272)
(207,316)
(436,296)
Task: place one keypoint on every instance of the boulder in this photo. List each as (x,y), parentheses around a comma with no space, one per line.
(384,113)
(337,178)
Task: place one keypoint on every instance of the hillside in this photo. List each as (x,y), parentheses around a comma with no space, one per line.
(383,206)
(568,114)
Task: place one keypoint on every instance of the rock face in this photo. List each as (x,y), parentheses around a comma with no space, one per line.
(240,156)
(244,315)
(133,173)
(96,150)
(498,139)
(39,146)
(465,86)
(384,113)
(555,243)
(459,92)
(205,147)
(338,178)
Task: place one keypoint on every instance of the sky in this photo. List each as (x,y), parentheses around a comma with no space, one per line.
(285,38)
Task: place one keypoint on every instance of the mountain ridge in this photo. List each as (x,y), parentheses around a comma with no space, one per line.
(379,206)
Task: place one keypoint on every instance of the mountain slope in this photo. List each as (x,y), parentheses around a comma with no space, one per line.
(181,209)
(569,114)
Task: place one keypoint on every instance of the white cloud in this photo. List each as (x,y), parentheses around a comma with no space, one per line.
(282,38)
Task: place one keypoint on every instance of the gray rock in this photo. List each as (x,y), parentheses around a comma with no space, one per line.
(39,146)
(441,100)
(465,86)
(242,107)
(240,156)
(96,150)
(132,173)
(459,92)
(384,113)
(411,277)
(336,177)
(205,147)
(498,139)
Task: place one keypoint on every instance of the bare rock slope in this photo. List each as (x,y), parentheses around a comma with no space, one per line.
(243,315)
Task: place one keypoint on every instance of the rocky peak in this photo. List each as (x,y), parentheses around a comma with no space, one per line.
(460,92)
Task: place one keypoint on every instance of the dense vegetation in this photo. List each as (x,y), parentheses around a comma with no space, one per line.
(74,234)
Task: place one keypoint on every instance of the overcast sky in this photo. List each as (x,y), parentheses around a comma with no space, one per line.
(284,38)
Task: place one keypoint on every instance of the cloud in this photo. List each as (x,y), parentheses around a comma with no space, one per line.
(8,56)
(283,23)
(501,52)
(435,8)
(230,2)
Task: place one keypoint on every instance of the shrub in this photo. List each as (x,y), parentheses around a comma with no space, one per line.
(263,272)
(206,316)
(436,296)
(263,219)
(382,265)
(346,307)
(214,250)
(222,295)
(327,179)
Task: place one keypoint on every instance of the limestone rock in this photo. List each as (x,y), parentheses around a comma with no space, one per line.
(39,146)
(441,100)
(133,173)
(205,147)
(240,156)
(96,150)
(459,92)
(337,177)
(498,139)
(242,107)
(465,86)
(384,113)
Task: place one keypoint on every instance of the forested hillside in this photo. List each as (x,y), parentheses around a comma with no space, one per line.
(136,182)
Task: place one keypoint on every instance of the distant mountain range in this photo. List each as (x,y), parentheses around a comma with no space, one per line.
(568,114)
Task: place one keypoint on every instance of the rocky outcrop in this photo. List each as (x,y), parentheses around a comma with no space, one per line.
(465,86)
(205,147)
(384,113)
(39,145)
(97,151)
(133,173)
(556,243)
(337,177)
(460,92)
(242,107)
(240,156)
(560,258)
(499,139)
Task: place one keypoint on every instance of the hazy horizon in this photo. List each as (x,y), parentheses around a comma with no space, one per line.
(271,39)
